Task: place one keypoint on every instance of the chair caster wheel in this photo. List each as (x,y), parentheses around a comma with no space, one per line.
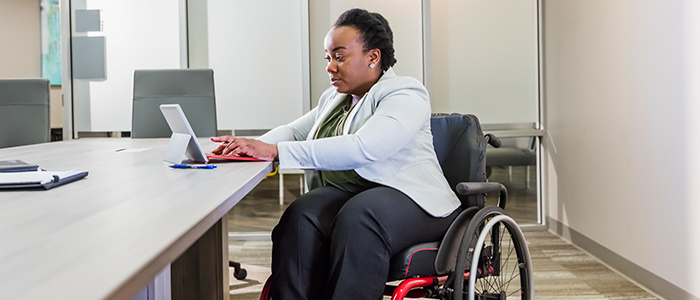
(240,274)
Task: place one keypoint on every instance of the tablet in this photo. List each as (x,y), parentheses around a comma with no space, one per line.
(179,125)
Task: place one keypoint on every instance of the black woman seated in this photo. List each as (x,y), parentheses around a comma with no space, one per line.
(375,183)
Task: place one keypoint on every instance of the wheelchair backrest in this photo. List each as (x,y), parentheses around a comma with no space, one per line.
(461,150)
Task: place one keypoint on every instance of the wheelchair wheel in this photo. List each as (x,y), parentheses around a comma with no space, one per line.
(495,254)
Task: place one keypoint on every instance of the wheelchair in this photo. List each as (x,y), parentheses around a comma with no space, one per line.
(483,254)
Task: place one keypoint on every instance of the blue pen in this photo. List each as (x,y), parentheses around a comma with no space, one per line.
(179,166)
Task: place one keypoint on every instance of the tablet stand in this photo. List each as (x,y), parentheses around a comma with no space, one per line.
(176,148)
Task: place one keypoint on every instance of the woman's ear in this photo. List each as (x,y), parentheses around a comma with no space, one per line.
(375,56)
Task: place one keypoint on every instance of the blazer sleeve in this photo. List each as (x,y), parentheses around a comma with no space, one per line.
(400,113)
(297,130)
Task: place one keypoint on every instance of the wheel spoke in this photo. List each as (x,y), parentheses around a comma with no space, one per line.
(492,281)
(501,283)
(482,282)
(500,248)
(491,284)
(501,261)
(513,293)
(515,267)
(511,279)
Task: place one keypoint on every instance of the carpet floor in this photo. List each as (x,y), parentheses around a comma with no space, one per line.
(561,271)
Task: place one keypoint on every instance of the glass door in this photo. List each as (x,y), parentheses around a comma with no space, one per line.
(109,40)
(482,58)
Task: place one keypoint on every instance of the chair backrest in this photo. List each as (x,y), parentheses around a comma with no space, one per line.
(193,89)
(461,150)
(24,112)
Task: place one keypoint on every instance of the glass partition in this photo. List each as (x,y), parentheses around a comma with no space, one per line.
(111,39)
(482,58)
(515,164)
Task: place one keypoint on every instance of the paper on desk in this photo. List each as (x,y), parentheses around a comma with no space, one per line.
(132,149)
(34,177)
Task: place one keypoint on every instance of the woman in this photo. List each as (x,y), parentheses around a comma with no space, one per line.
(377,187)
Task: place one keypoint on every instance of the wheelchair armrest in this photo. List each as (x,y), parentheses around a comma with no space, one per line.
(475,188)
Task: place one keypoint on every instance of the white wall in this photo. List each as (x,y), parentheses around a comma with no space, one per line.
(20,39)
(622,108)
(481,58)
(259,53)
(319,24)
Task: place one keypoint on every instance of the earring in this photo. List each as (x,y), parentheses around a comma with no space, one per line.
(372,65)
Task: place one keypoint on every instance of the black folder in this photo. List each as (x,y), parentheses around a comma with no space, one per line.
(16,165)
(38,179)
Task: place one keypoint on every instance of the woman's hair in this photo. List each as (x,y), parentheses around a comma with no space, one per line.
(375,33)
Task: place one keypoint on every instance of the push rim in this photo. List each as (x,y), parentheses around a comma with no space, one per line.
(501,263)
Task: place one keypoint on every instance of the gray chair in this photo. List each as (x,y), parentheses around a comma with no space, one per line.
(511,155)
(191,88)
(24,112)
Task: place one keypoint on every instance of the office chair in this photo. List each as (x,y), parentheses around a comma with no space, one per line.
(192,89)
(24,112)
(483,254)
(512,155)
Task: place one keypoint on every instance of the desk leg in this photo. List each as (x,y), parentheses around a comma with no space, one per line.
(281,177)
(158,289)
(301,184)
(202,271)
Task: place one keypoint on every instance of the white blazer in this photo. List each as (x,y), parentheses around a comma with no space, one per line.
(386,140)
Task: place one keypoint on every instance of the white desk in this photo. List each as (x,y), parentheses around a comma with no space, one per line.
(108,235)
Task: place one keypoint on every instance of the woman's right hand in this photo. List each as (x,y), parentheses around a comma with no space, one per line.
(231,146)
(224,140)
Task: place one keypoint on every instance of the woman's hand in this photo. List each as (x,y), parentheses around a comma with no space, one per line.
(224,140)
(238,146)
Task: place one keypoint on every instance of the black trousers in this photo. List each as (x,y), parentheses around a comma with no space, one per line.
(330,244)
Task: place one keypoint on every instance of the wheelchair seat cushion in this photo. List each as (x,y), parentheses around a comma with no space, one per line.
(418,260)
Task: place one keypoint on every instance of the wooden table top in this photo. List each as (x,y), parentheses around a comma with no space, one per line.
(115,229)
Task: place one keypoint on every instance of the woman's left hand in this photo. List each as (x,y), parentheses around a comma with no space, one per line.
(249,147)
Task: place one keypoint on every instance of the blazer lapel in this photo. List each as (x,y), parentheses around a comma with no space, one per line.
(353,113)
(327,108)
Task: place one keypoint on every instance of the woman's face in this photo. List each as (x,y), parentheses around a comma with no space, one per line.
(348,65)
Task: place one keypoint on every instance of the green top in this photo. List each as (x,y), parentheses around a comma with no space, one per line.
(346,180)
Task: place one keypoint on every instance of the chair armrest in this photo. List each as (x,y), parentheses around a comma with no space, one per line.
(475,188)
(493,140)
